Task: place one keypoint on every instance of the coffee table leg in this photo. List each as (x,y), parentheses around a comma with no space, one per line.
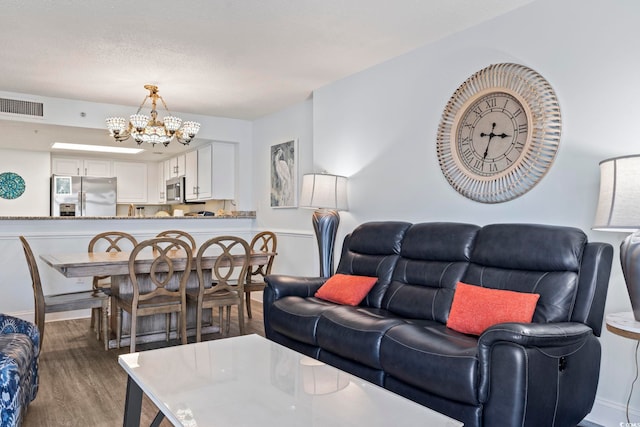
(132,404)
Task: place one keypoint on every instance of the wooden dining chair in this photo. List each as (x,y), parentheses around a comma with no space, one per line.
(56,303)
(182,235)
(265,241)
(109,241)
(162,291)
(226,287)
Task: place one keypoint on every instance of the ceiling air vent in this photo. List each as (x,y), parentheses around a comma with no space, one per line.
(26,108)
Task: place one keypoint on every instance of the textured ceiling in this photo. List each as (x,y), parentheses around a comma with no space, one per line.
(238,59)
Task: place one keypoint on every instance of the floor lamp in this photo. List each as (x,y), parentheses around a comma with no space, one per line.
(619,210)
(327,194)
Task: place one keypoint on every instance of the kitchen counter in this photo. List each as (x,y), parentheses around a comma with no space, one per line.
(238,214)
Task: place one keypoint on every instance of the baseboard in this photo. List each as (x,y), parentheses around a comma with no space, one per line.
(608,413)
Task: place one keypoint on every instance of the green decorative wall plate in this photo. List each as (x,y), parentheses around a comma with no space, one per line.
(11,185)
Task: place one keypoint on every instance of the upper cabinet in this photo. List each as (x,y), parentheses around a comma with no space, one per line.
(174,167)
(132,181)
(80,166)
(210,173)
(156,184)
(191,176)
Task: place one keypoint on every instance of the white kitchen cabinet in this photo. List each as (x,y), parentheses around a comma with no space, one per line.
(191,176)
(80,166)
(161,180)
(132,181)
(210,172)
(174,167)
(156,184)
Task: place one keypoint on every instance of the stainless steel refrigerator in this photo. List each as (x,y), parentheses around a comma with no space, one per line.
(83,196)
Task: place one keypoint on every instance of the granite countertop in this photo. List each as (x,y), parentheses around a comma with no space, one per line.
(232,215)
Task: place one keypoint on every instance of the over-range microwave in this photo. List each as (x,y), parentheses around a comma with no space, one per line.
(175,190)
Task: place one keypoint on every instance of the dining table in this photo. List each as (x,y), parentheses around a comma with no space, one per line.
(116,265)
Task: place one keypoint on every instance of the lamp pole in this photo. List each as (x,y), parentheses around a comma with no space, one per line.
(325,225)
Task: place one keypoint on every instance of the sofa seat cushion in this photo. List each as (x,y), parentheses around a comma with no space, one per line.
(355,333)
(433,358)
(297,317)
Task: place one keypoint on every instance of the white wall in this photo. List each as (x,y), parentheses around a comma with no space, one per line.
(34,168)
(293,228)
(379,128)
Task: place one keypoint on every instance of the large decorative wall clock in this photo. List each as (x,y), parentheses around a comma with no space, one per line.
(11,185)
(499,133)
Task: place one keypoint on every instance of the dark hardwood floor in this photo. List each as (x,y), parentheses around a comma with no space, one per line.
(83,385)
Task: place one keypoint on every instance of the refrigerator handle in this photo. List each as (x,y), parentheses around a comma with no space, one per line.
(82,200)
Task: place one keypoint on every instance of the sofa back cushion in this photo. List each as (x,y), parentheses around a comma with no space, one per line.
(531,258)
(372,249)
(433,259)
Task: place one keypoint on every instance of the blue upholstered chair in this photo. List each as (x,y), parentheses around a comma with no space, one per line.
(19,352)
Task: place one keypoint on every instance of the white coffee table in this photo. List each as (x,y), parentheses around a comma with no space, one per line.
(251,381)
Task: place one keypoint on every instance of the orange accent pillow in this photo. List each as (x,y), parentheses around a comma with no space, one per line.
(474,308)
(346,289)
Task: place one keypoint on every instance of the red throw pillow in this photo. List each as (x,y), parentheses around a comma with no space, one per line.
(346,289)
(475,308)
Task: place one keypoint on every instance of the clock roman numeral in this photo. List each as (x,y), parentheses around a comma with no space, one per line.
(491,102)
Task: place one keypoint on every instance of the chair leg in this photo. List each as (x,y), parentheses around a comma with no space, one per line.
(104,325)
(134,319)
(92,325)
(247,296)
(228,324)
(240,317)
(199,323)
(183,326)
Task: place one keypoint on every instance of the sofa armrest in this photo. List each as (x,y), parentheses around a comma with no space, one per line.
(534,334)
(15,325)
(545,360)
(281,286)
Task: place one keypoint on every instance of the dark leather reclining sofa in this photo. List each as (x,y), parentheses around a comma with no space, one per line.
(543,373)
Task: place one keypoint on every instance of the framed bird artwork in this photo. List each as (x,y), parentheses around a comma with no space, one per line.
(284,174)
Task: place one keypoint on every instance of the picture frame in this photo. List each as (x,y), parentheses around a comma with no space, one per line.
(62,185)
(284,174)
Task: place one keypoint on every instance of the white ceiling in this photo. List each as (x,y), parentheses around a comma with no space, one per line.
(239,59)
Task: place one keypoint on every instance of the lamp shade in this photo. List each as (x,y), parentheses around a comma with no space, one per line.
(619,201)
(324,191)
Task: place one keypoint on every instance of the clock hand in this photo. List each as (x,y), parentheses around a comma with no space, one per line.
(490,135)
(503,135)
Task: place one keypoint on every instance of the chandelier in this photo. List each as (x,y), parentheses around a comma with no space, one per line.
(149,129)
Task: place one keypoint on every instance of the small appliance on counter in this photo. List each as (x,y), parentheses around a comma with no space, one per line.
(200,213)
(83,196)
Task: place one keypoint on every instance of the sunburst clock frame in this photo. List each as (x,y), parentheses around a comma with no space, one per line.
(499,133)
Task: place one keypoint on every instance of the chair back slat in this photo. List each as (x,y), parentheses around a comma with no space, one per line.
(179,234)
(38,294)
(167,252)
(230,267)
(265,241)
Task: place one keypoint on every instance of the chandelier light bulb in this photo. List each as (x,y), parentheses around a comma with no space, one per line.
(172,123)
